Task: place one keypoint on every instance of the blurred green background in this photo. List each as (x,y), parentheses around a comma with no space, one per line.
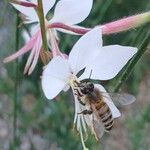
(47,125)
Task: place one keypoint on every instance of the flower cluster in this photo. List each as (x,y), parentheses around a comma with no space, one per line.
(79,13)
(87,55)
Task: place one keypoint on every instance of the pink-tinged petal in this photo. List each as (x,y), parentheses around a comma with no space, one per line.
(23,50)
(36,56)
(85,50)
(108,101)
(109,62)
(47,5)
(55,77)
(30,13)
(30,59)
(53,44)
(72,11)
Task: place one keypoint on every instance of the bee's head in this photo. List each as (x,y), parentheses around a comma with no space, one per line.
(86,87)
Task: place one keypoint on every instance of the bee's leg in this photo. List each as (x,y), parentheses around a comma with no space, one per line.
(86,112)
(78,94)
(81,101)
(77,83)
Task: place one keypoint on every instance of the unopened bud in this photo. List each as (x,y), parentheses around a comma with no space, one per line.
(126,23)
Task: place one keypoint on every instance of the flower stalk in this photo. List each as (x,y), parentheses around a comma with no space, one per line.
(126,23)
(42,24)
(112,27)
(15,104)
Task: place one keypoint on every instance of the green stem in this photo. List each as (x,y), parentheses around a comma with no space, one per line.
(132,62)
(15,109)
(42,24)
(3,11)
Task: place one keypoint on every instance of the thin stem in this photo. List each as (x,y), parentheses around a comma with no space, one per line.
(15,109)
(3,12)
(112,27)
(77,30)
(132,63)
(42,24)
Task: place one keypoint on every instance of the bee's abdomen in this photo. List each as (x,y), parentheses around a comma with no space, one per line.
(105,115)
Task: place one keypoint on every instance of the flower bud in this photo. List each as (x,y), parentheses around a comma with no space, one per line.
(126,23)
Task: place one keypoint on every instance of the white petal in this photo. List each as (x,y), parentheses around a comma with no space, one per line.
(34,1)
(47,5)
(109,62)
(55,77)
(29,12)
(66,88)
(85,50)
(107,99)
(72,11)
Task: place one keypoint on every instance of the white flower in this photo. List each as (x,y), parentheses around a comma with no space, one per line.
(70,12)
(104,61)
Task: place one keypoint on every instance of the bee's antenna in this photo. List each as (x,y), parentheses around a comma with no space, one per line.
(90,74)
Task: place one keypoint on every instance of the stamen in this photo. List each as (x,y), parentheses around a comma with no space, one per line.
(82,140)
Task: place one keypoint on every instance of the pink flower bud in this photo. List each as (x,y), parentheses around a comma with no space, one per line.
(126,23)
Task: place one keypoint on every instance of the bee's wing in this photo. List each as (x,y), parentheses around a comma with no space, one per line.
(122,98)
(98,127)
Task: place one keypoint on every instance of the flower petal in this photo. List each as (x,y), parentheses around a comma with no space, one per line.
(85,50)
(109,62)
(37,53)
(30,59)
(55,77)
(30,13)
(34,1)
(47,5)
(107,99)
(72,11)
(29,45)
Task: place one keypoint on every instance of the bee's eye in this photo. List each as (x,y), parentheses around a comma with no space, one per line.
(90,86)
(84,90)
(87,88)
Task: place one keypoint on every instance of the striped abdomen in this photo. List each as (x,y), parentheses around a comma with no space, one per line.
(105,114)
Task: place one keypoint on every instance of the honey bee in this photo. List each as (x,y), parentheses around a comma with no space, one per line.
(95,100)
